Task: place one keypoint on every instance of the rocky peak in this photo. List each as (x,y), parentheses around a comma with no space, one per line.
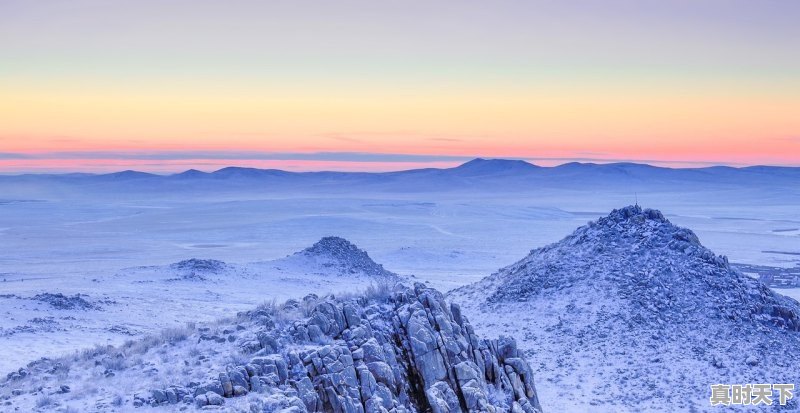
(631,294)
(336,247)
(344,256)
(634,224)
(629,233)
(652,265)
(634,214)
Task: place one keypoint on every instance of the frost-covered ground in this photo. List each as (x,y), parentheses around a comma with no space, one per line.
(131,302)
(115,248)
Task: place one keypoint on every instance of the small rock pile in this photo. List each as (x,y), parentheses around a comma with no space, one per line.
(196,269)
(62,302)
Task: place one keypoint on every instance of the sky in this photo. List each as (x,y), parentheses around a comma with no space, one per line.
(168,85)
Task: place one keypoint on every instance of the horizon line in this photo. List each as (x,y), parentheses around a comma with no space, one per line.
(187,161)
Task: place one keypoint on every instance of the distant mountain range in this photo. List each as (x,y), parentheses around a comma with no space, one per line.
(490,174)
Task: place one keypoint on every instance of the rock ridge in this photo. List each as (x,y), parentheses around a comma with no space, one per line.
(410,351)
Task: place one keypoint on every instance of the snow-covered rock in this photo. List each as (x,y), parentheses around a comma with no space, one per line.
(60,301)
(391,350)
(631,312)
(336,255)
(200,265)
(198,269)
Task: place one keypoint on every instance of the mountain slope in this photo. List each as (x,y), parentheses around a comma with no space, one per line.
(632,313)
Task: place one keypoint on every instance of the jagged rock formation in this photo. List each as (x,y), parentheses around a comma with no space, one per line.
(342,256)
(391,350)
(413,353)
(640,305)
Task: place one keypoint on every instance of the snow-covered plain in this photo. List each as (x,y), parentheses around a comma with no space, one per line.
(115,239)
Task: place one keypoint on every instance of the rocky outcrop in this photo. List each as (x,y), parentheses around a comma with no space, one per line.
(64,302)
(408,352)
(342,255)
(198,269)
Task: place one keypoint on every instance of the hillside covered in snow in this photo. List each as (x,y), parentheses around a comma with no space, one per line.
(632,313)
(335,256)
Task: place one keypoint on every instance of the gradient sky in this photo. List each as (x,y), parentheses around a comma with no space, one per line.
(91,85)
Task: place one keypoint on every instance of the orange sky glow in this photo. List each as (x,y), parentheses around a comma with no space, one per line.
(161,96)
